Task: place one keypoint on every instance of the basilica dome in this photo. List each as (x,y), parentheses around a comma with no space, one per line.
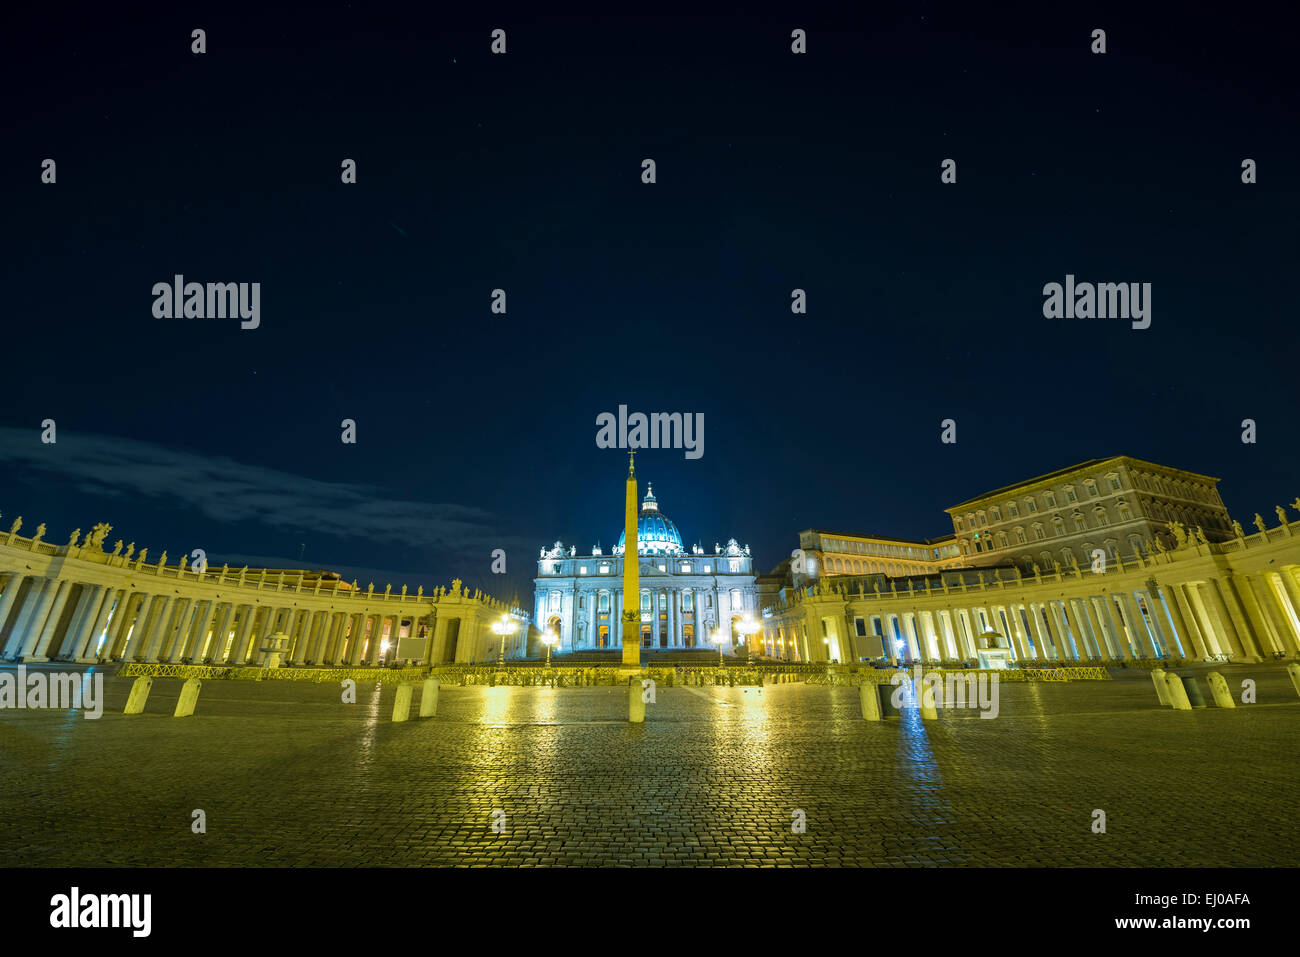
(655,531)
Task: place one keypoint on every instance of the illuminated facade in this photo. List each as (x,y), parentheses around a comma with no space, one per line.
(685,594)
(1117,506)
(827,553)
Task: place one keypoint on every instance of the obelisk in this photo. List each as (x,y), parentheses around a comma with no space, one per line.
(631,586)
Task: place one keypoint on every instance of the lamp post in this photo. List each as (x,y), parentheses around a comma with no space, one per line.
(717,639)
(827,642)
(747,628)
(503,627)
(549,639)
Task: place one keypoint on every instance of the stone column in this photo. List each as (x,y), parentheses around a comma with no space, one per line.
(120,625)
(1122,638)
(1181,645)
(178,630)
(160,618)
(7,599)
(1276,612)
(1113,651)
(89,598)
(1186,601)
(1213,599)
(221,634)
(39,596)
(1080,636)
(1251,641)
(1262,625)
(137,641)
(1291,590)
(239,647)
(356,638)
(85,649)
(197,645)
(91,624)
(51,621)
(1137,625)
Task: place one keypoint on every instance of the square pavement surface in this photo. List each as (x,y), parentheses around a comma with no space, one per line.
(289,775)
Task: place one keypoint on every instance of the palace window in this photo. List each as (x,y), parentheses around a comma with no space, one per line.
(1125,513)
(582,569)
(687,599)
(1049,498)
(1031,505)
(1058,525)
(1069,494)
(1079,524)
(582,603)
(685,566)
(995,514)
(1115,485)
(1020,535)
(645,601)
(734,563)
(555,601)
(982,519)
(1099,514)
(604,601)
(1012,510)
(604,568)
(708,569)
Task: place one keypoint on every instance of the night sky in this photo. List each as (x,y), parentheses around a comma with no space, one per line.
(523,172)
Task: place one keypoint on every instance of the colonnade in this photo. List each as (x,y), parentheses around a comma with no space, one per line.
(1237,600)
(77,603)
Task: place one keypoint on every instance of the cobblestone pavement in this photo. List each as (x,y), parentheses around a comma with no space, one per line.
(290,776)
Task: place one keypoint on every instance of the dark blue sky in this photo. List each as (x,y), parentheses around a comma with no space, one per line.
(522,172)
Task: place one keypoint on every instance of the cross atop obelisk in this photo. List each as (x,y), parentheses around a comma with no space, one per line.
(631,581)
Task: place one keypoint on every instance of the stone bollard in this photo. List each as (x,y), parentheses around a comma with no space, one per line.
(1158,679)
(402,703)
(1194,691)
(870,699)
(139,695)
(1219,689)
(635,703)
(429,698)
(1177,693)
(188,699)
(925,699)
(1293,672)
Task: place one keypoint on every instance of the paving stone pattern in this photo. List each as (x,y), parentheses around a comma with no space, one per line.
(288,775)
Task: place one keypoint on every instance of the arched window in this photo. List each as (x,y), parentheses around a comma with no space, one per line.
(1125,513)
(604,601)
(1058,525)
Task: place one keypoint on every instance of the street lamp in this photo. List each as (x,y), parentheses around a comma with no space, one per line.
(549,639)
(747,628)
(505,626)
(717,639)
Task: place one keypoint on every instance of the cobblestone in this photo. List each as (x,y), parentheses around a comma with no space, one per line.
(290,776)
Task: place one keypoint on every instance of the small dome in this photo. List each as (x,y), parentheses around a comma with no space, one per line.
(655,531)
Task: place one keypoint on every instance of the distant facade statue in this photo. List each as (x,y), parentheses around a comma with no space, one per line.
(144,553)
(1180,533)
(1259,522)
(1200,536)
(117,547)
(130,550)
(1237,529)
(1281,514)
(98,534)
(40,533)
(162,559)
(18,523)
(1037,571)
(76,534)
(455,586)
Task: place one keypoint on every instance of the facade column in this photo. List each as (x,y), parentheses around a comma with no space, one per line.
(83,617)
(221,634)
(86,649)
(239,647)
(160,616)
(1181,645)
(138,639)
(51,621)
(194,648)
(1200,640)
(12,586)
(1213,599)
(1018,639)
(1081,643)
(37,602)
(1291,590)
(173,644)
(1137,625)
(1054,630)
(1251,642)
(120,626)
(357,638)
(1155,627)
(1261,623)
(1113,651)
(91,624)
(1117,623)
(1276,612)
